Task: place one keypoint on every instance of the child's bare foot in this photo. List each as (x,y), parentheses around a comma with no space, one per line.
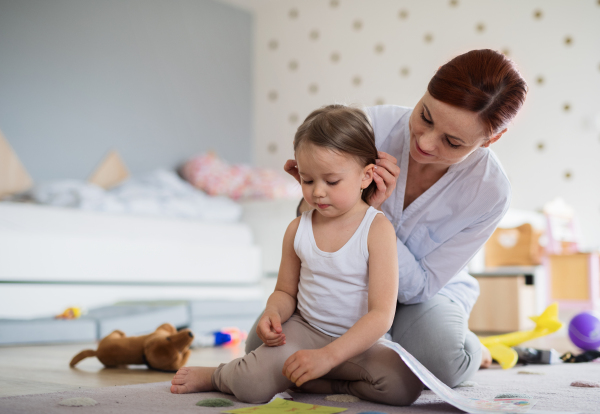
(192,379)
(486,357)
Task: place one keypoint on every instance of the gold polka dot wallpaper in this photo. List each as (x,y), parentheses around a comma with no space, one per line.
(314,52)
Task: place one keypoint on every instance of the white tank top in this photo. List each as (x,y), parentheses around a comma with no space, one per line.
(333,288)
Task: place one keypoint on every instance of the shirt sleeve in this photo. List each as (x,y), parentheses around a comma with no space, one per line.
(383,119)
(421,279)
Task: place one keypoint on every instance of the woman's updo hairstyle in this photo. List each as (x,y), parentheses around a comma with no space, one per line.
(344,130)
(482,81)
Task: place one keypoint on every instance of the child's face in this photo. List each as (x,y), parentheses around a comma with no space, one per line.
(331,182)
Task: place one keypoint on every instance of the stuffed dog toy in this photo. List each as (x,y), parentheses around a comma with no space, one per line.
(163,350)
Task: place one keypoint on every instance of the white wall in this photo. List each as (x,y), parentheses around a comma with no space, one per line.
(159,81)
(548,151)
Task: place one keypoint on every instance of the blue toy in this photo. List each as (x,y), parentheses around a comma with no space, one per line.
(584,331)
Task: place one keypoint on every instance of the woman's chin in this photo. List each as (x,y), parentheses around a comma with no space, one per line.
(420,158)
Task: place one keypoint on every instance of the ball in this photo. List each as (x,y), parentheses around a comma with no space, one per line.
(584,331)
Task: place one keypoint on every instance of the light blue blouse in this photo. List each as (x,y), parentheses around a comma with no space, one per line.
(440,232)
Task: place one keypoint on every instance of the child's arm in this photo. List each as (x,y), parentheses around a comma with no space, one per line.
(282,302)
(305,365)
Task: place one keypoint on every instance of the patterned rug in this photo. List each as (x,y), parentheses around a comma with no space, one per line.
(550,385)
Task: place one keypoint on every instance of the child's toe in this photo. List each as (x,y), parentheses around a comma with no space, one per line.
(179,389)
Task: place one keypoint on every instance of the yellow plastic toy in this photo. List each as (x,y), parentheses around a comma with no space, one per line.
(70,313)
(500,345)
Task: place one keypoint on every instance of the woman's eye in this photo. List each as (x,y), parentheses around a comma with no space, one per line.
(425,119)
(451,144)
(333,183)
(306,182)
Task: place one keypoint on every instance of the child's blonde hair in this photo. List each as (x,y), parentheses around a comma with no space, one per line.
(342,129)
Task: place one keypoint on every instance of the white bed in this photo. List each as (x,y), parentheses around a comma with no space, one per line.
(51,258)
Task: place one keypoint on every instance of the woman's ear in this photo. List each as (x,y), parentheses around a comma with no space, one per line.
(494,138)
(367,176)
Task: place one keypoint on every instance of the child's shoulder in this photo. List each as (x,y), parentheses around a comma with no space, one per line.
(382,222)
(290,233)
(292,228)
(381,228)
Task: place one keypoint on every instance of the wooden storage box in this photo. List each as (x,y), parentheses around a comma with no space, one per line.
(575,280)
(506,301)
(517,246)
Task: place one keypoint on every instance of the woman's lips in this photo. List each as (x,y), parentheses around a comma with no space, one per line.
(421,151)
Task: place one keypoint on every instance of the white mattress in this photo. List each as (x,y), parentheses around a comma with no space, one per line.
(50,244)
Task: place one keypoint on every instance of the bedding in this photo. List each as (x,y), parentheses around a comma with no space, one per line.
(217,177)
(158,193)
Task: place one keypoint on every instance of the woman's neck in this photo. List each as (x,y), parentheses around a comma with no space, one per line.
(426,169)
(420,177)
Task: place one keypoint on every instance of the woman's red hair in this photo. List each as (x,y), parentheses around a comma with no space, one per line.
(482,81)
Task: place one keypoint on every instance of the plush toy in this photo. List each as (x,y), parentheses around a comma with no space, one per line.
(164,350)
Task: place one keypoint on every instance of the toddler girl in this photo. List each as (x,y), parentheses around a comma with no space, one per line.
(337,284)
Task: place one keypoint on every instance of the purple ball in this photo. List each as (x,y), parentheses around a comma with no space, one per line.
(584,331)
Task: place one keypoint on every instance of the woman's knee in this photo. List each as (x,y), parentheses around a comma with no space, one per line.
(436,333)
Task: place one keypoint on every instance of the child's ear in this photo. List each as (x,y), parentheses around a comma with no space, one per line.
(367,175)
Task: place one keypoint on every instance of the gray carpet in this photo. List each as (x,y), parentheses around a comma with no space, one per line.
(550,387)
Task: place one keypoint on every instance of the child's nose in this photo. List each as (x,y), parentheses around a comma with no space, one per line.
(319,190)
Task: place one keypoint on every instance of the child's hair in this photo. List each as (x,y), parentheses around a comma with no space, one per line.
(342,129)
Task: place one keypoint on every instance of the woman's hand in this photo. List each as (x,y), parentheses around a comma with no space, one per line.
(291,167)
(269,329)
(385,175)
(306,365)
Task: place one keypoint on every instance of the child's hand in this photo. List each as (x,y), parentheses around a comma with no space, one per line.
(306,365)
(269,329)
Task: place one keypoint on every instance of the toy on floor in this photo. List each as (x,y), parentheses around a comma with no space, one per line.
(70,313)
(236,335)
(538,356)
(164,350)
(584,331)
(587,356)
(224,337)
(500,345)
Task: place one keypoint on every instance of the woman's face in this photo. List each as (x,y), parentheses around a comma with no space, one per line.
(443,134)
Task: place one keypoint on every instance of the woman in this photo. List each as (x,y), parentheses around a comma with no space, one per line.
(444,192)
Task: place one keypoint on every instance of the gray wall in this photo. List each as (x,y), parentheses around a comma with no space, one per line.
(158,80)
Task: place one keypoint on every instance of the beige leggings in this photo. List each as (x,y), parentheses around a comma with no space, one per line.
(377,375)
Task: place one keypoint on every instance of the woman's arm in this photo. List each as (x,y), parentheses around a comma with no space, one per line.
(282,302)
(421,278)
(383,281)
